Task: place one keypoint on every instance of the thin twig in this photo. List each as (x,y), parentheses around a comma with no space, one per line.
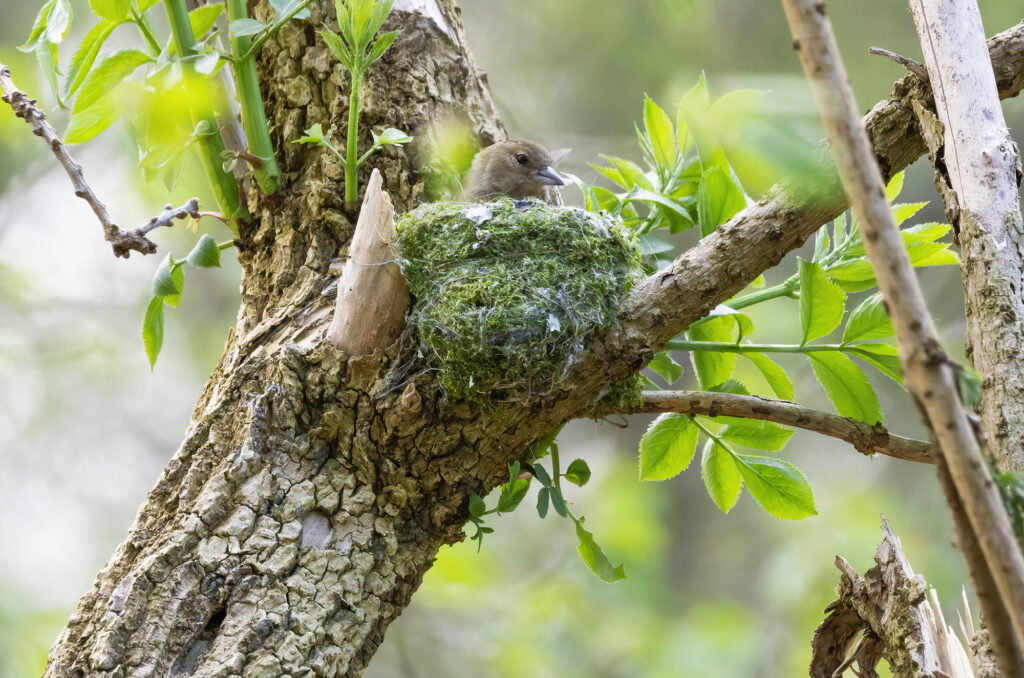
(123,242)
(865,438)
(170,213)
(907,63)
(927,370)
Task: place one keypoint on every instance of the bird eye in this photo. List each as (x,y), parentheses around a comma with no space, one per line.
(522,159)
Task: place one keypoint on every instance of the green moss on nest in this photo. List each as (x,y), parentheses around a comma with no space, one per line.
(508,293)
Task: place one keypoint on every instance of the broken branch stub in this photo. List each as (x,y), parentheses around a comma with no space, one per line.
(372,294)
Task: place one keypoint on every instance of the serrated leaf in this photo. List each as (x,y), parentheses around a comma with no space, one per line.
(667,447)
(731,386)
(107,74)
(882,356)
(476,505)
(718,199)
(246,26)
(205,254)
(595,558)
(776,377)
(85,55)
(721,477)
(778,486)
(112,10)
(868,321)
(662,136)
(712,367)
(153,330)
(822,302)
(854,275)
(578,473)
(314,134)
(846,386)
(58,23)
(46,55)
(666,367)
(904,212)
(763,435)
(924,233)
(383,43)
(822,245)
(542,502)
(163,281)
(84,125)
(38,26)
(203,18)
(895,186)
(338,47)
(512,494)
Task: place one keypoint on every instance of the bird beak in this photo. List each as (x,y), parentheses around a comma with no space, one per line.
(548,176)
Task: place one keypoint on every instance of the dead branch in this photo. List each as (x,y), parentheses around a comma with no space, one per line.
(372,294)
(907,63)
(865,438)
(928,373)
(977,171)
(899,617)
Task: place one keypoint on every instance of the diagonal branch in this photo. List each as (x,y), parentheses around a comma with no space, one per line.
(929,375)
(757,238)
(123,242)
(865,438)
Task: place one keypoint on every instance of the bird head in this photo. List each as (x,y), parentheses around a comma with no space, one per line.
(515,168)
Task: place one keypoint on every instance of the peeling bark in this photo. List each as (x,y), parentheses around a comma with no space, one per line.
(308,498)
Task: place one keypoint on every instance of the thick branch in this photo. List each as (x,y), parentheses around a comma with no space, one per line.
(122,241)
(757,238)
(977,165)
(865,439)
(928,371)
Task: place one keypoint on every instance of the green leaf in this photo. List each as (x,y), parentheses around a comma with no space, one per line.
(203,18)
(721,477)
(638,194)
(476,505)
(58,23)
(666,367)
(667,447)
(284,7)
(85,125)
(111,10)
(712,367)
(924,233)
(883,356)
(822,303)
(894,187)
(692,109)
(338,47)
(868,321)
(853,275)
(246,26)
(205,254)
(512,494)
(662,136)
(578,473)
(541,474)
(46,55)
(383,43)
(557,501)
(778,486)
(846,386)
(763,435)
(595,558)
(904,212)
(314,135)
(776,377)
(542,502)
(106,75)
(651,246)
(718,199)
(391,137)
(164,284)
(822,245)
(744,324)
(153,329)
(38,26)
(630,173)
(85,55)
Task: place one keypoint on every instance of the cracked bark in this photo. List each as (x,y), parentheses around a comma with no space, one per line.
(305,504)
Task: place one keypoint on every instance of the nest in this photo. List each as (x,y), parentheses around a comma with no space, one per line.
(508,293)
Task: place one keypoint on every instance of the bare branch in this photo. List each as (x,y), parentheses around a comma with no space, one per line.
(909,64)
(123,242)
(170,213)
(929,375)
(865,438)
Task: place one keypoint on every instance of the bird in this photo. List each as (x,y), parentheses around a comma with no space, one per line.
(517,169)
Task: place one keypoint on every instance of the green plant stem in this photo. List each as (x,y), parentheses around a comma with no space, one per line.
(211,146)
(722,347)
(556,470)
(711,434)
(148,35)
(352,149)
(254,117)
(267,34)
(786,289)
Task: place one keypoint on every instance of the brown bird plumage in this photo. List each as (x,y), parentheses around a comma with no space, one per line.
(517,169)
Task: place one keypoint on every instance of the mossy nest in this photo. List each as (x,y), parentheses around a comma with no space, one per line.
(507,293)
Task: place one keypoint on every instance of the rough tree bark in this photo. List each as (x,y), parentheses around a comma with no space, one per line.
(977,172)
(306,502)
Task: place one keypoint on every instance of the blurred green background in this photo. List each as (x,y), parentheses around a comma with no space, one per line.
(85,427)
